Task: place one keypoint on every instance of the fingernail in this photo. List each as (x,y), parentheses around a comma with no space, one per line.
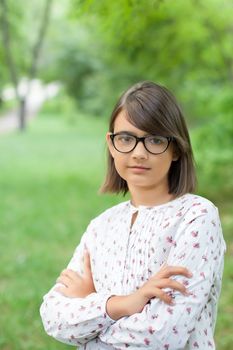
(190,274)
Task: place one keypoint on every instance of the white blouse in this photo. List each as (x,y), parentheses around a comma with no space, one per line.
(184,232)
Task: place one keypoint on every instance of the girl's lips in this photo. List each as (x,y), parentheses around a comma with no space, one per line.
(138,169)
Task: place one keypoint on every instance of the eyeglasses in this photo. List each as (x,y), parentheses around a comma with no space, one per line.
(126,143)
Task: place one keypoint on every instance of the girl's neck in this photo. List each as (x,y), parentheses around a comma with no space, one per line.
(149,197)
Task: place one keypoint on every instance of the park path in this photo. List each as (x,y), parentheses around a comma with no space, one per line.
(38,94)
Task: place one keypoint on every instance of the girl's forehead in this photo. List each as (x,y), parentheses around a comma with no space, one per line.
(122,120)
(122,123)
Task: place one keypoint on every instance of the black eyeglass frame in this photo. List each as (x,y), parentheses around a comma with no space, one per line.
(140,139)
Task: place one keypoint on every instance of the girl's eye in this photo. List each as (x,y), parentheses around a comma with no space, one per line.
(156,140)
(124,139)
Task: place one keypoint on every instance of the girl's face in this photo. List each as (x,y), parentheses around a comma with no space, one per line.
(139,168)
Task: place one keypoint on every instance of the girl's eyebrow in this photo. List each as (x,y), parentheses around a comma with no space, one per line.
(130,133)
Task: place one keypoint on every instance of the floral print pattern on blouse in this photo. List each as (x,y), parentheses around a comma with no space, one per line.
(184,232)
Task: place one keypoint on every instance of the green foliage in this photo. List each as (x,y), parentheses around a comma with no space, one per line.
(98,48)
(62,106)
(185,45)
(214,153)
(213,143)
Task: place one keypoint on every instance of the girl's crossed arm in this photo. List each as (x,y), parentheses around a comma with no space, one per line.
(120,306)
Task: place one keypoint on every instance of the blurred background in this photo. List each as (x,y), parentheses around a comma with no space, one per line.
(63,64)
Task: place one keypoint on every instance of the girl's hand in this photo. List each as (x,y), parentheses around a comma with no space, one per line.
(119,306)
(75,285)
(155,285)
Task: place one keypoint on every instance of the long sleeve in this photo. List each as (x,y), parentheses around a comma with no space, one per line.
(199,246)
(75,320)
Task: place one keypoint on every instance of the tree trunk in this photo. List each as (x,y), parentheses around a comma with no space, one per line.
(22,114)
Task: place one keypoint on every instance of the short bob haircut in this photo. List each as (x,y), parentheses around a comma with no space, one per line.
(153,109)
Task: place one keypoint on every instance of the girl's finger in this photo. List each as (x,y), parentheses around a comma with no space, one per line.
(160,294)
(169,283)
(64,280)
(65,273)
(169,271)
(70,274)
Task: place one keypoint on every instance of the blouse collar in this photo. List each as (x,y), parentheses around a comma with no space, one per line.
(144,207)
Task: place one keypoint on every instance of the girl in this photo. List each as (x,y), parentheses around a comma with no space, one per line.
(147,272)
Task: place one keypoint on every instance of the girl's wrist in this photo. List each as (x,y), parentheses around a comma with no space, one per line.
(141,296)
(116,307)
(125,305)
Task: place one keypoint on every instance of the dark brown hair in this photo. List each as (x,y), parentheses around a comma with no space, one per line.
(153,109)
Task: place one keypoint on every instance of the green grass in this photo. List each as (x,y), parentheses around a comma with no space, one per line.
(49,178)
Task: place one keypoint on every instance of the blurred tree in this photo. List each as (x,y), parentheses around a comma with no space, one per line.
(98,48)
(12,22)
(187,46)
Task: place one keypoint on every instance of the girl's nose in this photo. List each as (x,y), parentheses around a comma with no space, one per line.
(140,151)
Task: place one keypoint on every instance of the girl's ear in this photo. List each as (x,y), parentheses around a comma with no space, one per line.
(175,157)
(109,143)
(175,154)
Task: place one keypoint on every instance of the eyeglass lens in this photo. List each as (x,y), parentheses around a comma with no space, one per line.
(155,144)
